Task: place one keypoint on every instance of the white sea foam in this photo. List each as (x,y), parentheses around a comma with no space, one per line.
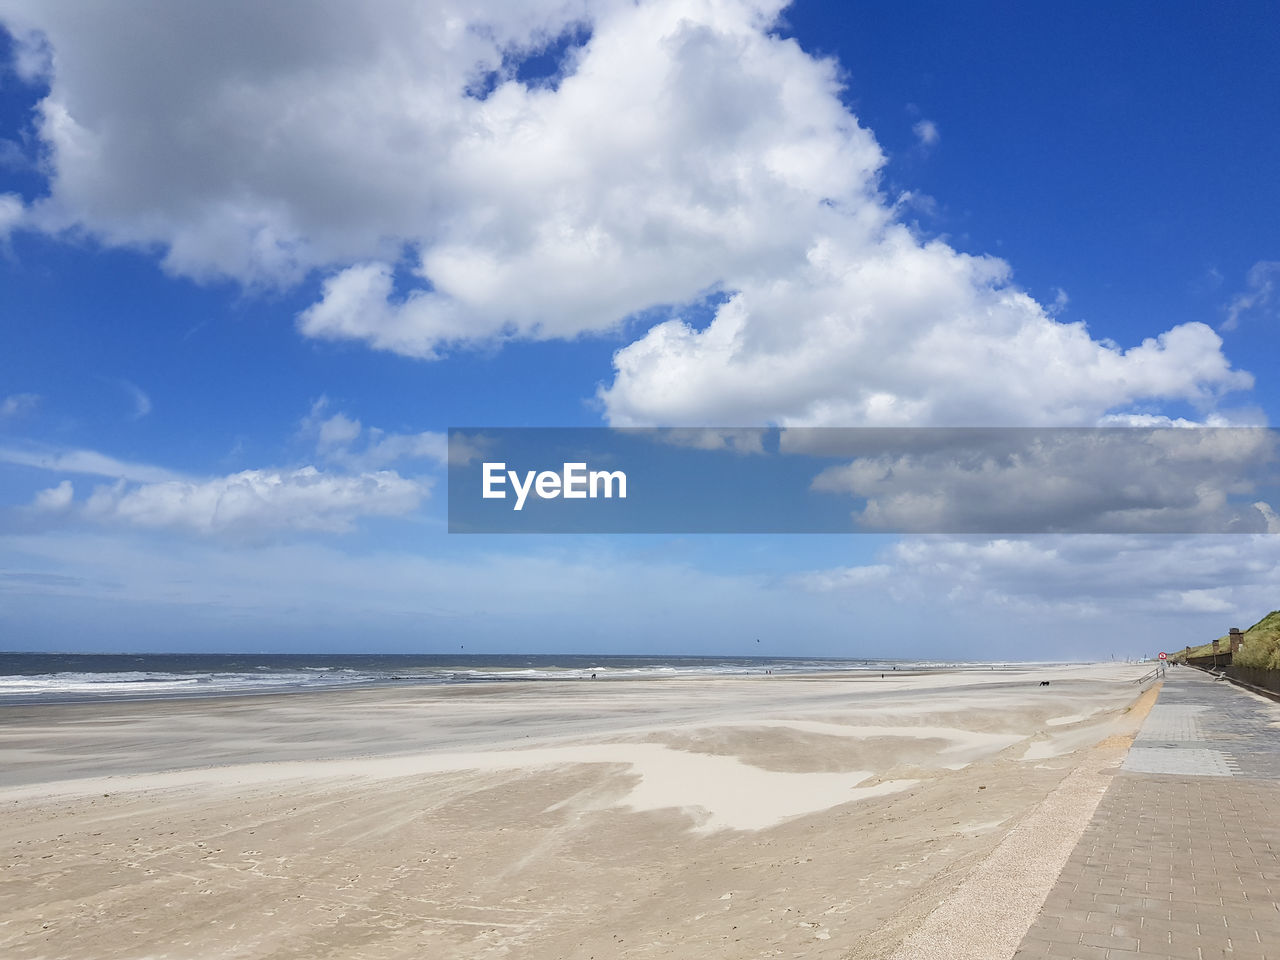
(212,675)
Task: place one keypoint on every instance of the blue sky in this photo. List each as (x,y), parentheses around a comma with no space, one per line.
(254,265)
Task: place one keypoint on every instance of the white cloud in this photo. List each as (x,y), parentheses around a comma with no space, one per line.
(1206,601)
(1124,579)
(11,213)
(684,148)
(1155,481)
(926,132)
(886,331)
(310,595)
(55,499)
(346,441)
(1260,295)
(252,502)
(32,56)
(1269,515)
(17,404)
(356,305)
(1021,599)
(384,448)
(260,140)
(688,148)
(1153,420)
(85,462)
(844,578)
(684,145)
(248,504)
(739,440)
(337,432)
(141,402)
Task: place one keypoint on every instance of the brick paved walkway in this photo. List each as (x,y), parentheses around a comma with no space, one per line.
(1182,857)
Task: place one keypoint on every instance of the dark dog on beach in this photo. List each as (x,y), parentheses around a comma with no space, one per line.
(1044,683)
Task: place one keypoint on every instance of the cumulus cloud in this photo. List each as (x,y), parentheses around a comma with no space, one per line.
(1157,481)
(337,432)
(688,147)
(1269,515)
(54,499)
(679,148)
(681,140)
(255,501)
(346,441)
(1159,420)
(736,439)
(246,505)
(886,331)
(11,212)
(845,578)
(1111,576)
(260,140)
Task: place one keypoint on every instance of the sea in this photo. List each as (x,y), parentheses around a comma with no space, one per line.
(88,677)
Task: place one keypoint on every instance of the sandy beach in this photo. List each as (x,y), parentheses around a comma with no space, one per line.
(837,816)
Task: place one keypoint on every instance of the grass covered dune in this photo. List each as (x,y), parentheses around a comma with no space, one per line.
(1261,650)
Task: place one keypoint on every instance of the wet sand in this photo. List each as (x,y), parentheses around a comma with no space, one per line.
(728,817)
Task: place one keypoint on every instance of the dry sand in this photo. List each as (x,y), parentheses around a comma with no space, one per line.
(843,817)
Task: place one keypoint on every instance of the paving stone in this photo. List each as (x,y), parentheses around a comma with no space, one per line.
(1182,858)
(1192,761)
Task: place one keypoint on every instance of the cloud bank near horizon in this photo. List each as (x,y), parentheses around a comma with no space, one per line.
(977,597)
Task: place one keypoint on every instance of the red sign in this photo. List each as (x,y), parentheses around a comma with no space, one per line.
(1163,655)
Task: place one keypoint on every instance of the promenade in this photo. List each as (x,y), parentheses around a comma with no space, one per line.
(1182,857)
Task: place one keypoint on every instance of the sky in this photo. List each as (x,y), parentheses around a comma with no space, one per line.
(256,259)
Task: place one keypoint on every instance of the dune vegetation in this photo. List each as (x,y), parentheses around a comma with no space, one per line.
(1261,648)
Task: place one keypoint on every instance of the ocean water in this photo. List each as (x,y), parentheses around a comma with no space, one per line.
(44,677)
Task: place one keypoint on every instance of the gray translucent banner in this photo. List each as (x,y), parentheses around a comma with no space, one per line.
(863,480)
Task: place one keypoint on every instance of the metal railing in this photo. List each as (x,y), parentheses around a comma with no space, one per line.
(1156,674)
